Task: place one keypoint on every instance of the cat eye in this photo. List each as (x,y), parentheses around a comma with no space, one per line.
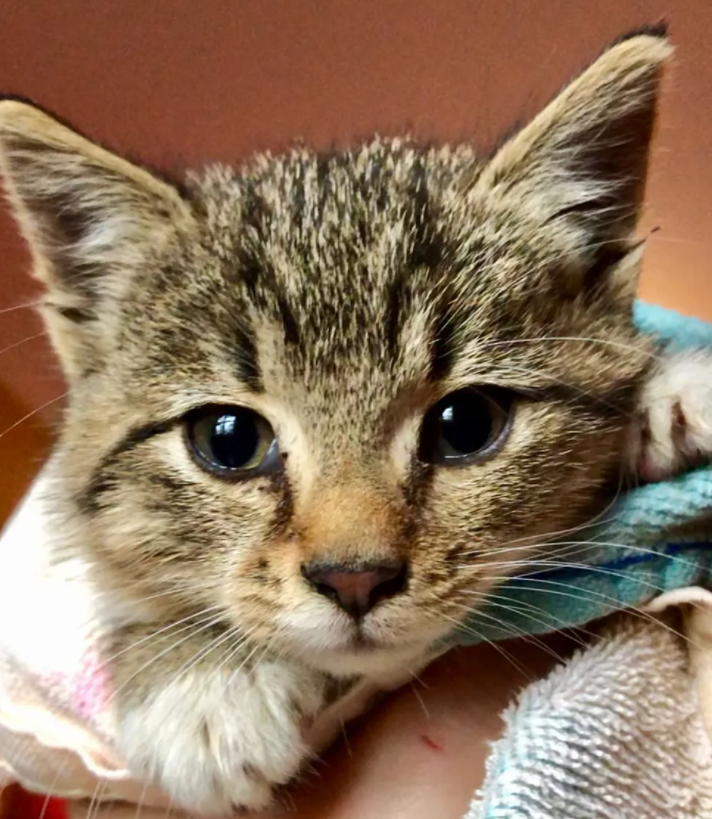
(232,442)
(466,426)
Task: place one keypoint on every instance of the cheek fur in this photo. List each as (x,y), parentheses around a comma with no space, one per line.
(481,522)
(161,524)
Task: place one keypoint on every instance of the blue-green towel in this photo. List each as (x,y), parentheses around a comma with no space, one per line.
(634,555)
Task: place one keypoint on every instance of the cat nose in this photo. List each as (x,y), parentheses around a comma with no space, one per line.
(357,589)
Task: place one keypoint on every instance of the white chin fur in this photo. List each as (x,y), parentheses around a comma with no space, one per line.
(325,641)
(373,663)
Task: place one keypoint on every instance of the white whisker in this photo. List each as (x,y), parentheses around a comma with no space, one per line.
(22,341)
(33,412)
(25,306)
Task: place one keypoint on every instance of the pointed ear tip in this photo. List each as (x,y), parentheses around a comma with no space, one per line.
(658,30)
(20,115)
(650,44)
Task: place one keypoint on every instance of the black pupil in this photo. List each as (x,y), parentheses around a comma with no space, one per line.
(233,439)
(466,423)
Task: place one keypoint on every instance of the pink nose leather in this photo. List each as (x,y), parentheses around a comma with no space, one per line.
(357,591)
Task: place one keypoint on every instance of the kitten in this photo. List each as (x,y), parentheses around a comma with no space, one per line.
(310,397)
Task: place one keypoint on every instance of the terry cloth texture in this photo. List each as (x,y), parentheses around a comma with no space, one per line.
(617,732)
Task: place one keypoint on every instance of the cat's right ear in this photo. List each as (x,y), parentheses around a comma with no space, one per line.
(576,173)
(90,217)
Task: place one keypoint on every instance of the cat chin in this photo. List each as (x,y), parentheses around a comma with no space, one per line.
(374,663)
(335,646)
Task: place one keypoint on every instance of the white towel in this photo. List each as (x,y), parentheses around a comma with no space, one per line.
(616,733)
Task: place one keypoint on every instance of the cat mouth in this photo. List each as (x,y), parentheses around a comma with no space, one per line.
(362,643)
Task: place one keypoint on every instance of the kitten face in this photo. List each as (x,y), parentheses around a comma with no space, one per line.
(343,342)
(341,298)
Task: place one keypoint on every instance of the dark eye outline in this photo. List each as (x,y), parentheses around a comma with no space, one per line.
(503,398)
(270,463)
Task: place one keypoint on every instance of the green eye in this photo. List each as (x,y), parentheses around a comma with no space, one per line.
(232,442)
(466,426)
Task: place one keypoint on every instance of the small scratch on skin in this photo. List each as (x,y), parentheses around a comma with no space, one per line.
(430,743)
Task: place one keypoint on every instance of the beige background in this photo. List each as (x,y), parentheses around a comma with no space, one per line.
(184,82)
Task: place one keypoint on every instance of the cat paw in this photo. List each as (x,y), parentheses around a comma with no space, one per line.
(673,431)
(218,742)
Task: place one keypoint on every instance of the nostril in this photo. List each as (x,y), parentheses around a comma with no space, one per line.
(390,586)
(357,589)
(326,591)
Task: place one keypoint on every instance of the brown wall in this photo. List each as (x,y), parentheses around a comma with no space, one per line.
(185,81)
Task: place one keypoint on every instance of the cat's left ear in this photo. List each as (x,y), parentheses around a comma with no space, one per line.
(578,169)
